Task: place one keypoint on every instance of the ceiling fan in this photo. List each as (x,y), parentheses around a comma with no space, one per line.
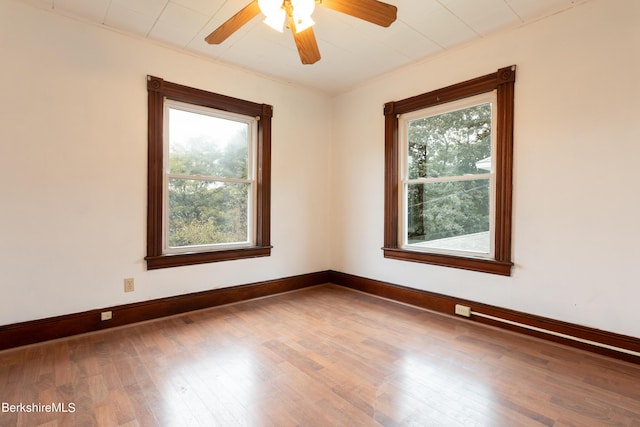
(296,14)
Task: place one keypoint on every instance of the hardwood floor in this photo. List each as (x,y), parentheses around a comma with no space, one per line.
(322,356)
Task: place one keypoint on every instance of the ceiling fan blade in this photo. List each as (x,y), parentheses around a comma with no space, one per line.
(221,33)
(374,11)
(307,45)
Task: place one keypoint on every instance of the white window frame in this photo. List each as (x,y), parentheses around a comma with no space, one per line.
(252,136)
(404,181)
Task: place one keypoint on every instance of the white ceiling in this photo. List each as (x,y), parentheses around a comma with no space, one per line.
(352,50)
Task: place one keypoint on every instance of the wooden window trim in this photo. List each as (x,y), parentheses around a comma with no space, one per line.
(502,82)
(158,90)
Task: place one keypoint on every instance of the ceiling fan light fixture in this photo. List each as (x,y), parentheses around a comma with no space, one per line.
(276,20)
(301,11)
(274,13)
(270,7)
(303,7)
(302,22)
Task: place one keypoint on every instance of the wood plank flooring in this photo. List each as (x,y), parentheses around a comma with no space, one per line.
(322,356)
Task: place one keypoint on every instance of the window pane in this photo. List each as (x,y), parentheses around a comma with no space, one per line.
(449,215)
(451,144)
(206,213)
(209,146)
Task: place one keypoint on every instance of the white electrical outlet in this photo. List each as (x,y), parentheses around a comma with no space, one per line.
(129,285)
(106,315)
(463,310)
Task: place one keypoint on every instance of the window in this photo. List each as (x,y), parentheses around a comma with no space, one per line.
(447,179)
(209,177)
(448,175)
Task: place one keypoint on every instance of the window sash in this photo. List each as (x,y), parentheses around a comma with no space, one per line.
(231,244)
(167,248)
(404,181)
(436,245)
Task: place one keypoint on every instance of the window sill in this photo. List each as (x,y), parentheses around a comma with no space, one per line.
(475,264)
(192,258)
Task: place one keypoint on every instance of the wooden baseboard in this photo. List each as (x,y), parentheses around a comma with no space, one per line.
(35,331)
(446,304)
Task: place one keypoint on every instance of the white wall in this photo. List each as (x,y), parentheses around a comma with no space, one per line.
(73,144)
(73,168)
(577,149)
